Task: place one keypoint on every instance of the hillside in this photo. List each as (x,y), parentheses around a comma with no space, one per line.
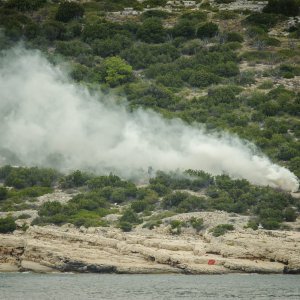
(229,69)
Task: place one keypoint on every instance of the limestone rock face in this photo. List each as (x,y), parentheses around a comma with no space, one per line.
(108,250)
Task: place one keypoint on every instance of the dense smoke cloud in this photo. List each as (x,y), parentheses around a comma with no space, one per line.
(48,121)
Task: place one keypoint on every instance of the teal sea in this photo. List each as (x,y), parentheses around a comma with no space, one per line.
(31,286)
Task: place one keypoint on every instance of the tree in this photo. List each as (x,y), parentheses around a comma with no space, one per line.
(68,11)
(117,71)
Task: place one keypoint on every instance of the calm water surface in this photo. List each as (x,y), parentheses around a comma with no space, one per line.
(97,286)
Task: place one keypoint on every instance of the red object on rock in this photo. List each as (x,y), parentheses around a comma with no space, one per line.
(211,262)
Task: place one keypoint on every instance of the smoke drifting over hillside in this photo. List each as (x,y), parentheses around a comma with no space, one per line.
(48,121)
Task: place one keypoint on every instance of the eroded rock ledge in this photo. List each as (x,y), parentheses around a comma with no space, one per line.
(108,250)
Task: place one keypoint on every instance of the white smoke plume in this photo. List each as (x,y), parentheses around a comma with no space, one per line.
(44,117)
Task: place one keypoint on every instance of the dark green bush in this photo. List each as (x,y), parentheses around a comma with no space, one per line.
(155,3)
(152,224)
(142,55)
(203,78)
(234,37)
(25,5)
(176,226)
(68,11)
(184,28)
(130,216)
(155,13)
(3,193)
(207,30)
(270,224)
(75,179)
(7,225)
(289,214)
(111,46)
(221,229)
(151,31)
(285,7)
(225,1)
(50,208)
(53,30)
(139,206)
(21,177)
(263,19)
(197,223)
(125,226)
(195,16)
(253,224)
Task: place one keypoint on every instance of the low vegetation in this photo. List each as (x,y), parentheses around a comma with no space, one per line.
(172,193)
(196,65)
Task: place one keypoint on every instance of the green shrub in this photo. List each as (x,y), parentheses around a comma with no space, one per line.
(155,13)
(270,224)
(253,224)
(24,5)
(68,11)
(139,206)
(75,179)
(125,226)
(24,216)
(142,55)
(192,203)
(285,7)
(118,195)
(234,37)
(225,1)
(174,199)
(197,223)
(155,3)
(3,193)
(224,94)
(226,15)
(207,30)
(263,19)
(289,214)
(195,16)
(151,31)
(221,229)
(184,28)
(117,71)
(53,30)
(72,48)
(50,208)
(152,224)
(111,46)
(266,85)
(176,226)
(130,216)
(7,225)
(202,78)
(21,177)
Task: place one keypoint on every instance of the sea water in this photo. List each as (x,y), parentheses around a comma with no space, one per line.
(112,286)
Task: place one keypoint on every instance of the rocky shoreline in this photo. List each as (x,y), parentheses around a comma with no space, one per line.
(143,251)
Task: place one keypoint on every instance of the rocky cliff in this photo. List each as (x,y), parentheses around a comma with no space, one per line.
(106,250)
